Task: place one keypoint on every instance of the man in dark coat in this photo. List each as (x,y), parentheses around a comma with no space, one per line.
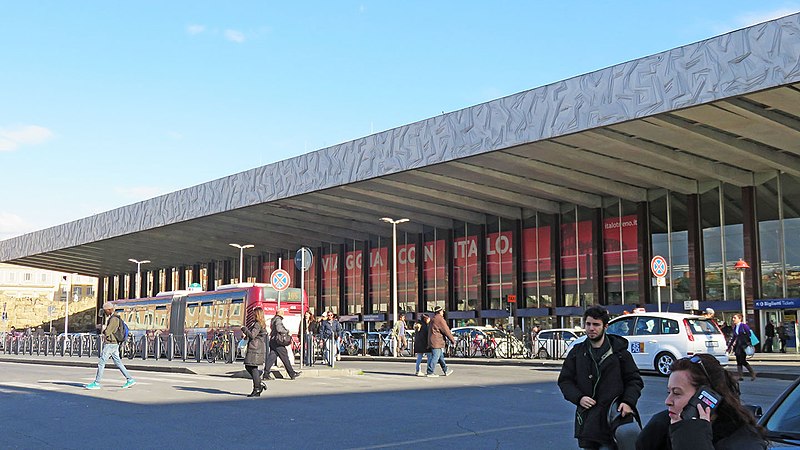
(595,372)
(769,332)
(276,348)
(437,331)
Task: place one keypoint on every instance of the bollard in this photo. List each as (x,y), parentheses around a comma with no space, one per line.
(365,344)
(170,347)
(145,346)
(156,347)
(184,347)
(198,348)
(80,345)
(232,350)
(332,351)
(98,343)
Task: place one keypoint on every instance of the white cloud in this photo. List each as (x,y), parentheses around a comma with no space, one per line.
(195,29)
(234,36)
(13,138)
(12,225)
(139,193)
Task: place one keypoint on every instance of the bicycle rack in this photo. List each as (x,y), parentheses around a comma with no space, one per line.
(144,343)
(80,346)
(184,346)
(156,347)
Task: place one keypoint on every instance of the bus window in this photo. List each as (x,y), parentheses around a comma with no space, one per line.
(148,320)
(235,317)
(192,315)
(161,317)
(208,314)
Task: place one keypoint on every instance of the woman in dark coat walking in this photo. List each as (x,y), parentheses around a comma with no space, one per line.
(256,350)
(421,347)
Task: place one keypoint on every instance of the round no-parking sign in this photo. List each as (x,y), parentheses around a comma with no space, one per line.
(280,280)
(659,266)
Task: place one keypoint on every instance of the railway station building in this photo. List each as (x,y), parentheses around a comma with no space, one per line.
(540,203)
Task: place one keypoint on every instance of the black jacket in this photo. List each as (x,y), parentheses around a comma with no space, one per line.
(699,435)
(421,339)
(616,375)
(256,346)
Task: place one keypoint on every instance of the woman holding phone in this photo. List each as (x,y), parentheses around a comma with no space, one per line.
(717,421)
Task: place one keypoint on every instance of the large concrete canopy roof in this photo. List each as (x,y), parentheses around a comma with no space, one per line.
(724,109)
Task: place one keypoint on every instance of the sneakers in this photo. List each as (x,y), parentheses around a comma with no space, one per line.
(448,373)
(432,375)
(92,386)
(129,383)
(420,374)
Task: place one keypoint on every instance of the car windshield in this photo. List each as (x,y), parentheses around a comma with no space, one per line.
(497,334)
(703,326)
(785,420)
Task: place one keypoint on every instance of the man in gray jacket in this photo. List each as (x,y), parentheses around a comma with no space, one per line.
(110,349)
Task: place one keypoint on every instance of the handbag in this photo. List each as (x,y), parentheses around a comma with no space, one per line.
(749,350)
(283,339)
(242,347)
(753,338)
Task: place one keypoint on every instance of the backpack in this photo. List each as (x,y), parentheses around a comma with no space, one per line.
(121,334)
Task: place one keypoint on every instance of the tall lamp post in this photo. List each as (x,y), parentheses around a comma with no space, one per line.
(741,266)
(394,268)
(138,274)
(241,259)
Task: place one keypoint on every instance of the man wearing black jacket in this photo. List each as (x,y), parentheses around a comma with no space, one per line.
(595,372)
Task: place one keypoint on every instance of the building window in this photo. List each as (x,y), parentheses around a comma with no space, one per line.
(330,278)
(537,272)
(577,255)
(354,277)
(499,261)
(466,267)
(407,271)
(434,269)
(621,253)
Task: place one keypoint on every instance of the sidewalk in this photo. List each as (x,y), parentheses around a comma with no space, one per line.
(783,366)
(217,369)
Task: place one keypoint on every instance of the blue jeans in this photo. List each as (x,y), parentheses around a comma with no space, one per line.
(110,350)
(419,359)
(437,355)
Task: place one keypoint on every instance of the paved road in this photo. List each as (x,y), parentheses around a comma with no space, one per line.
(479,407)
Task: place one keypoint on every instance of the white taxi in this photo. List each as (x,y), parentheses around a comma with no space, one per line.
(656,339)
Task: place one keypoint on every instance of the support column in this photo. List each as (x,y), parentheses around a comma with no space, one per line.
(196,273)
(211,271)
(121,286)
(181,277)
(101,296)
(168,279)
(598,262)
(226,271)
(483,289)
(260,272)
(644,251)
(156,281)
(752,287)
(419,258)
(695,238)
(342,303)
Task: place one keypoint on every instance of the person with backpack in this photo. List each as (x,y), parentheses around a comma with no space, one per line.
(114,332)
(596,373)
(279,339)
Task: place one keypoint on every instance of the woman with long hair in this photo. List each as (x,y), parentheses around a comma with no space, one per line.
(256,354)
(728,425)
(741,339)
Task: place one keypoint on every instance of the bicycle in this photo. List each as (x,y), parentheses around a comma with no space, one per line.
(219,348)
(127,347)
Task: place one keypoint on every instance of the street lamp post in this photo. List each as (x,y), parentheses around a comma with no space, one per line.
(741,266)
(394,269)
(138,274)
(241,259)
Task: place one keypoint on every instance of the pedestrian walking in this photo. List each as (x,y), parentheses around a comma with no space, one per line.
(437,331)
(741,339)
(308,329)
(399,335)
(279,339)
(728,426)
(782,337)
(596,373)
(110,349)
(255,356)
(769,332)
(329,332)
(421,347)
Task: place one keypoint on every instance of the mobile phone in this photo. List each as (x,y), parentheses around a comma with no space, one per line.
(706,396)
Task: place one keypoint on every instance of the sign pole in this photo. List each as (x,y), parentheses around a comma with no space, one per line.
(303,324)
(659,267)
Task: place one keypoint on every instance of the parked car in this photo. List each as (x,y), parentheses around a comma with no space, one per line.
(782,419)
(656,339)
(554,343)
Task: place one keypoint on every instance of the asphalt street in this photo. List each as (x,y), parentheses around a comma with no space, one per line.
(478,407)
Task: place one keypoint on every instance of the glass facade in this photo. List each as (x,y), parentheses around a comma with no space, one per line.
(621,253)
(330,278)
(466,267)
(500,266)
(434,269)
(379,270)
(537,271)
(354,277)
(578,280)
(407,271)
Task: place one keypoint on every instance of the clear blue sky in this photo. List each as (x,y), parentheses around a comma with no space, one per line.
(103,104)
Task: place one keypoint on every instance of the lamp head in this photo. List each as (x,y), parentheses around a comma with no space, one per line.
(741,265)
